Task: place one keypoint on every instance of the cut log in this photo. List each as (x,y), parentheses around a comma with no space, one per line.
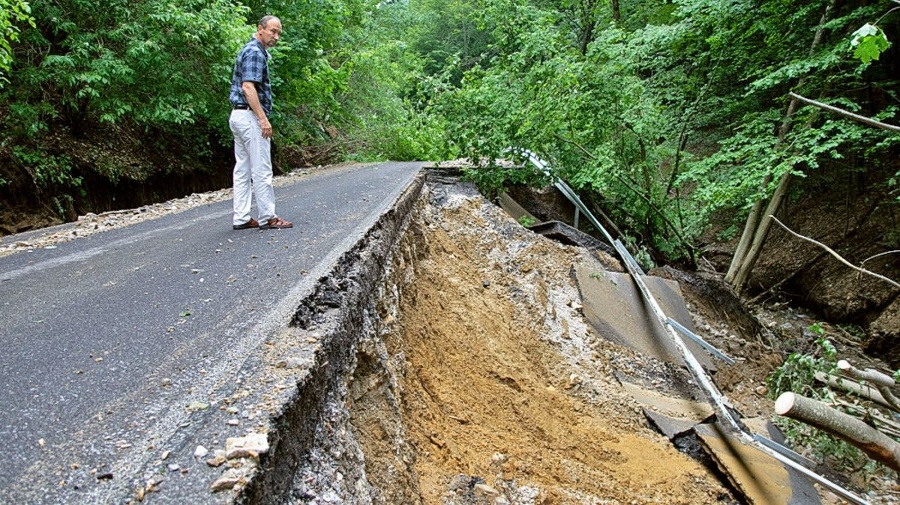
(875,444)
(883,383)
(850,385)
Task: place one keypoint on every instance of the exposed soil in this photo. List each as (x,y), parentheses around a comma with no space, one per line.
(506,394)
(502,394)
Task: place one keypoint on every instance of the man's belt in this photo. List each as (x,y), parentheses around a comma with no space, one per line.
(241,106)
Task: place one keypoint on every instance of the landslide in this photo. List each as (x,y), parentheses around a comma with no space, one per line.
(486,386)
(494,380)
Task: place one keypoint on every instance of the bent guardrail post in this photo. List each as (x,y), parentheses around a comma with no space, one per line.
(703,343)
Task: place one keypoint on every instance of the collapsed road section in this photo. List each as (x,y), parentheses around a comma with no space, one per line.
(448,360)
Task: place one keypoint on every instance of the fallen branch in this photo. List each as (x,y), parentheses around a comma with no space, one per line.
(847,114)
(863,262)
(836,255)
(850,385)
(883,383)
(875,444)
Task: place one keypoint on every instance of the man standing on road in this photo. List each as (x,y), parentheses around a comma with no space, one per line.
(251,101)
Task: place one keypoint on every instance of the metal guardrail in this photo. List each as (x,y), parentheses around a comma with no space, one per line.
(694,366)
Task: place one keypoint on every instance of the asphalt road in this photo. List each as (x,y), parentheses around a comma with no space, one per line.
(101,336)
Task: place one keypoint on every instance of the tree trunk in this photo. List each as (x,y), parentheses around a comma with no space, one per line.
(616,13)
(875,444)
(757,225)
(883,383)
(752,222)
(759,237)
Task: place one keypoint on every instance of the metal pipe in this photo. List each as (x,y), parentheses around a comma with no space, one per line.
(703,343)
(787,451)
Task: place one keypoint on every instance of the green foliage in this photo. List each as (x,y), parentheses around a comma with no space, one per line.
(12,13)
(492,178)
(154,62)
(868,43)
(527,221)
(661,117)
(797,373)
(588,114)
(47,170)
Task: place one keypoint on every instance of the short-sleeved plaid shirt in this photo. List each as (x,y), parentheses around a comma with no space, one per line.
(252,64)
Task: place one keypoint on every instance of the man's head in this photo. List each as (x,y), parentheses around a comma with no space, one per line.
(268,31)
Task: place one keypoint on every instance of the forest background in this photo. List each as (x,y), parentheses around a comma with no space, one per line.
(673,118)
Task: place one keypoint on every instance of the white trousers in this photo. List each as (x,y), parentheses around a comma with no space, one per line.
(253,166)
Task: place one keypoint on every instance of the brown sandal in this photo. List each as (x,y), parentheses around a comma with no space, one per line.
(276,223)
(249,224)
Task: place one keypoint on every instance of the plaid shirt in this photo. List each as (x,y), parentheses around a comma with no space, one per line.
(252,64)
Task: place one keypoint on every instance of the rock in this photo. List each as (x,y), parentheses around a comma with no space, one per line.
(216,461)
(250,446)
(485,491)
(574,380)
(289,363)
(196,406)
(174,467)
(200,451)
(229,480)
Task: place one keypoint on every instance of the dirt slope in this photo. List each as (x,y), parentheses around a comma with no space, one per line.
(506,395)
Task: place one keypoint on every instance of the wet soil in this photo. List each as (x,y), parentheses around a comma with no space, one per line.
(505,394)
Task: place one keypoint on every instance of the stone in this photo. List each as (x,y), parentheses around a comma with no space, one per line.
(486,491)
(250,446)
(229,480)
(200,451)
(289,363)
(216,461)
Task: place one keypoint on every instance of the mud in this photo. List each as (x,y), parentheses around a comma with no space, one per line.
(483,384)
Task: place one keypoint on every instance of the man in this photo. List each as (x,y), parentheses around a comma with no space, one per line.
(251,100)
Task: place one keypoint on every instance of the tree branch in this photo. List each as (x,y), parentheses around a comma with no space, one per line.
(883,383)
(879,254)
(836,255)
(847,114)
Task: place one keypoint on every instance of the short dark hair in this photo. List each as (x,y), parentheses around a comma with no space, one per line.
(264,21)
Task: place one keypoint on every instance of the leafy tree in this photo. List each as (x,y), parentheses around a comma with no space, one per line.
(11,13)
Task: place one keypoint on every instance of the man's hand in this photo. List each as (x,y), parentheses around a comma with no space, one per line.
(266,127)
